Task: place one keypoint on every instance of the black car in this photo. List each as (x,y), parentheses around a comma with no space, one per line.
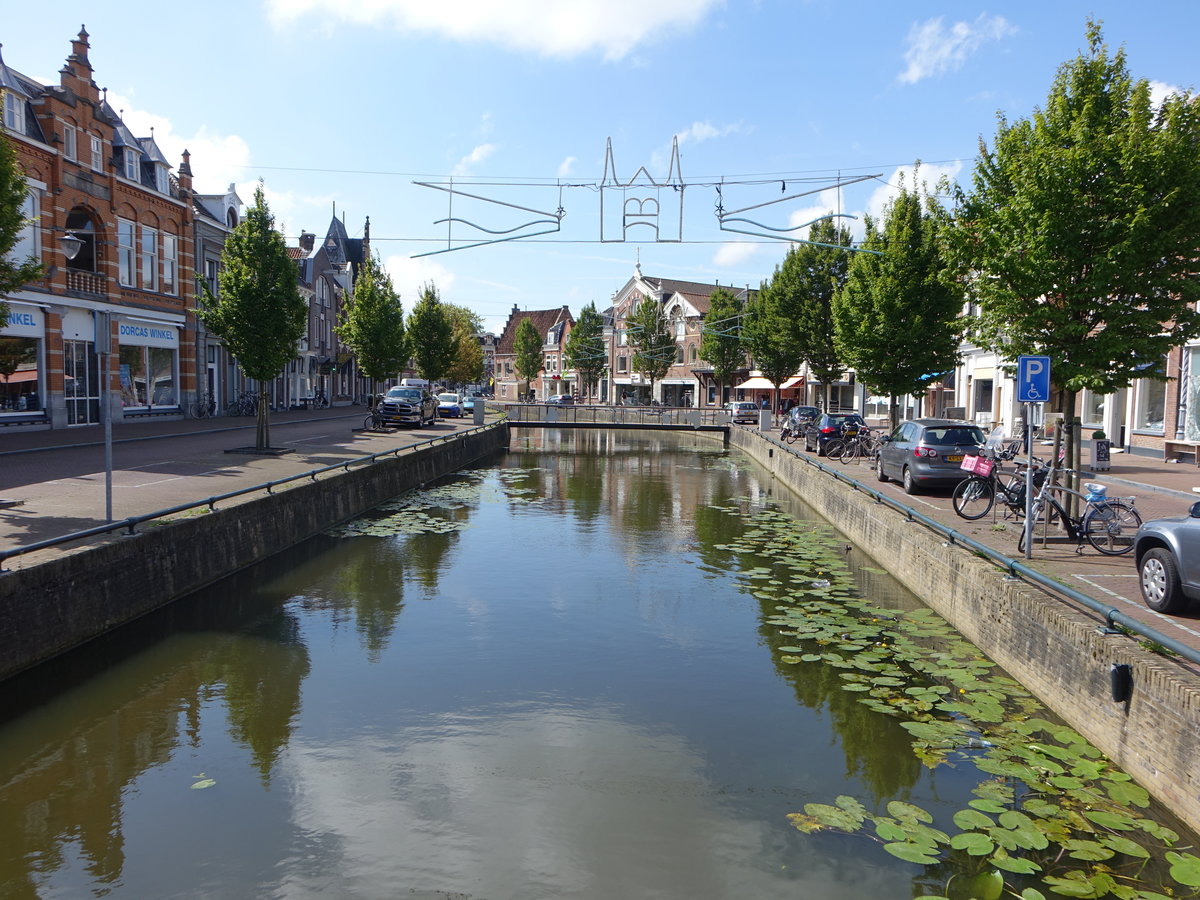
(828,427)
(923,453)
(402,405)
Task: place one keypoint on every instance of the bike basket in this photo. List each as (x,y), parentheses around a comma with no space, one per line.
(1095,492)
(977,465)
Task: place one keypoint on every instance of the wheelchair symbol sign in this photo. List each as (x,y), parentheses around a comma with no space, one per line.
(1033,379)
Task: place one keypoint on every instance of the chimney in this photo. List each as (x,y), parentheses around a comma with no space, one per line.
(307,241)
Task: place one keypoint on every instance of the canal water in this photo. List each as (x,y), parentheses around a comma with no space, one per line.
(609,666)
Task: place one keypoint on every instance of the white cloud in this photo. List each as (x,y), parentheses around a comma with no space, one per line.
(929,176)
(565,167)
(1160,91)
(476,156)
(410,275)
(613,28)
(734,253)
(705,131)
(935,50)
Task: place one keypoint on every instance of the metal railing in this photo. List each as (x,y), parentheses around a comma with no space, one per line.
(573,414)
(1112,615)
(131,522)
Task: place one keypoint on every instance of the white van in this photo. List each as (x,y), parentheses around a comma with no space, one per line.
(414,382)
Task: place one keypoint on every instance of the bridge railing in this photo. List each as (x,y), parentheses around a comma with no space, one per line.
(551,413)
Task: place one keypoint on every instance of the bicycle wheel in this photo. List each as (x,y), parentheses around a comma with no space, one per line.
(833,450)
(849,452)
(973,498)
(1110,527)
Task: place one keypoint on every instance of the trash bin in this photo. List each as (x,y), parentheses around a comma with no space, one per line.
(764,420)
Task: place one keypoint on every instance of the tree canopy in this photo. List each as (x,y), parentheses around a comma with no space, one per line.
(653,343)
(897,319)
(585,351)
(768,335)
(258,313)
(431,335)
(13,189)
(372,323)
(721,338)
(1081,232)
(467,365)
(527,347)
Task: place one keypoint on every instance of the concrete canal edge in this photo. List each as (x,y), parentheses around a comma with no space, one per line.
(1053,649)
(50,608)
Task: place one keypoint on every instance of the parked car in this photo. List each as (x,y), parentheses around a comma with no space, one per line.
(924,453)
(468,404)
(562,400)
(830,426)
(408,405)
(1167,555)
(743,411)
(450,405)
(800,414)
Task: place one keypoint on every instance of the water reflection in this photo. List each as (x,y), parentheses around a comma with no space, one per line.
(550,679)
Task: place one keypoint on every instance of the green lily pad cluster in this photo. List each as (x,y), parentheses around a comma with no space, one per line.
(1050,813)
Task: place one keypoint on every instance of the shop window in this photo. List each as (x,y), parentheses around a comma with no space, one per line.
(147,376)
(1151,405)
(19,374)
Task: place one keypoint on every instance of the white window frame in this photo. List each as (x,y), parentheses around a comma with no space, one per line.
(126,252)
(131,164)
(148,258)
(71,143)
(14,112)
(28,242)
(1144,388)
(170,262)
(97,153)
(162,180)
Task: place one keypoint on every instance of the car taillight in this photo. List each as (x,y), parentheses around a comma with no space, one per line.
(828,430)
(925,452)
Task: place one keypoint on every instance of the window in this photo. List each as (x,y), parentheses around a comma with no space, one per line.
(27,238)
(1151,405)
(14,112)
(162,179)
(170,257)
(622,363)
(679,329)
(97,153)
(70,142)
(211,268)
(149,259)
(1093,409)
(125,252)
(678,355)
(622,338)
(131,164)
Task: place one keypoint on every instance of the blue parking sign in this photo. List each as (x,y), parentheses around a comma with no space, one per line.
(1033,379)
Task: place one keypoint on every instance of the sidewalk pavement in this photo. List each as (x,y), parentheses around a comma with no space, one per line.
(55,480)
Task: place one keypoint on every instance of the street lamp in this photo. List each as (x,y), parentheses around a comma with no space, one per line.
(71,245)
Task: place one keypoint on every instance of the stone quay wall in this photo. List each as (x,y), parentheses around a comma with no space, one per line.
(1054,649)
(48,609)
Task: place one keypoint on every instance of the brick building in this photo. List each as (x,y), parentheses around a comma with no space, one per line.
(113,228)
(554,325)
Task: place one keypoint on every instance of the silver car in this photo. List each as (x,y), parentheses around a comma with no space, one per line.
(1167,555)
(923,453)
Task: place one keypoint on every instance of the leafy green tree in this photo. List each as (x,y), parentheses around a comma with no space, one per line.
(259,315)
(372,323)
(467,367)
(585,351)
(1082,227)
(768,335)
(527,347)
(721,338)
(431,335)
(13,272)
(651,338)
(810,277)
(897,318)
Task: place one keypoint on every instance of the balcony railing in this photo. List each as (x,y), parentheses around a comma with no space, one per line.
(85,282)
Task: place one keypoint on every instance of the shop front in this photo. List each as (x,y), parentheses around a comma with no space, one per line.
(21,363)
(148,366)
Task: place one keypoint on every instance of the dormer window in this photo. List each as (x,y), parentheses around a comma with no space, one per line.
(131,164)
(162,179)
(14,112)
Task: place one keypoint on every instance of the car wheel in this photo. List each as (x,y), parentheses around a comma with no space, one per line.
(1159,577)
(880,475)
(910,483)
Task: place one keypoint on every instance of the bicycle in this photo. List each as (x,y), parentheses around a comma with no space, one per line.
(245,404)
(319,401)
(1108,525)
(975,496)
(374,420)
(205,405)
(860,443)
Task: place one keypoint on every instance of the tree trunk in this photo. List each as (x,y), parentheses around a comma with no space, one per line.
(262,439)
(1074,458)
(893,412)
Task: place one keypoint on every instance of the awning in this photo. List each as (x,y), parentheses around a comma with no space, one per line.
(794,381)
(755,384)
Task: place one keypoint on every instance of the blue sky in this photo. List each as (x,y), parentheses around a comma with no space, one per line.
(344,105)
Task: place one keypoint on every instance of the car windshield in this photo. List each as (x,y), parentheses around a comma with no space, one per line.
(448,398)
(954,435)
(400,393)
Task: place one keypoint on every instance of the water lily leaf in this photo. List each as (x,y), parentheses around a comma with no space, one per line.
(987,805)
(202,784)
(834,816)
(1185,868)
(1124,845)
(902,811)
(889,829)
(973,842)
(1074,884)
(1106,819)
(966,819)
(984,886)
(914,853)
(1088,850)
(1024,830)
(1016,864)
(1032,894)
(1127,792)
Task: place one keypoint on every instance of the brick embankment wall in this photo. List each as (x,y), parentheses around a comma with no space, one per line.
(50,608)
(1054,650)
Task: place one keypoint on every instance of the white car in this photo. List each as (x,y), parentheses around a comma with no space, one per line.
(743,411)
